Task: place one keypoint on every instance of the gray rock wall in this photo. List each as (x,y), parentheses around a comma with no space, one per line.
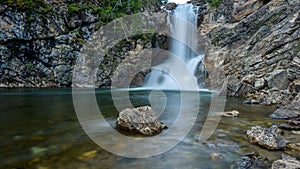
(39,48)
(253,48)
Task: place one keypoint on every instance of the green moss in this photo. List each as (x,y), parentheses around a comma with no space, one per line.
(214,3)
(44,10)
(28,6)
(30,19)
(74,8)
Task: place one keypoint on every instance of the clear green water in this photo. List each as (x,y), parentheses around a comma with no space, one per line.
(39,129)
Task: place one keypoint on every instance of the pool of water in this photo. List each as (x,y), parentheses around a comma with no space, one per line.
(40,129)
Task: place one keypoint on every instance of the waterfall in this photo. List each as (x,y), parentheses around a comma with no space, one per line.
(178,71)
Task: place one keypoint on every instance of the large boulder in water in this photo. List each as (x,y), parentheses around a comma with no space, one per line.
(142,119)
(267,137)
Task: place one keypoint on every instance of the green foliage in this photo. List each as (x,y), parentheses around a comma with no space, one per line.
(30,19)
(74,8)
(214,3)
(29,6)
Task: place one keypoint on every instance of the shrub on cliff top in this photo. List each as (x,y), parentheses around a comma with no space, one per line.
(29,6)
(214,3)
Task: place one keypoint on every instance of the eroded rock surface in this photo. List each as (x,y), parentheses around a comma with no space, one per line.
(142,119)
(267,137)
(252,48)
(287,162)
(251,160)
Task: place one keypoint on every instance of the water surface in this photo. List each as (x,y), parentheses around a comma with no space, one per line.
(39,128)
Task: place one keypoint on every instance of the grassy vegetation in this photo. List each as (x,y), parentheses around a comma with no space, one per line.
(214,3)
(108,10)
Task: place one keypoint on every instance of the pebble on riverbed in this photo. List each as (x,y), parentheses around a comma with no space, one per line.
(142,119)
(267,137)
(217,156)
(88,155)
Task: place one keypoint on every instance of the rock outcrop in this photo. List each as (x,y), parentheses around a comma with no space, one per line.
(142,120)
(252,48)
(267,137)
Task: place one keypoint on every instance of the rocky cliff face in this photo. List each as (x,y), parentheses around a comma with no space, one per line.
(40,40)
(252,48)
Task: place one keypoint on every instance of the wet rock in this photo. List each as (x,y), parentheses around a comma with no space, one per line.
(289,111)
(294,122)
(142,119)
(267,137)
(288,127)
(287,162)
(242,163)
(252,159)
(88,155)
(251,101)
(217,156)
(295,146)
(233,113)
(171,6)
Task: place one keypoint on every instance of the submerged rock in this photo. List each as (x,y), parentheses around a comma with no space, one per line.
(142,119)
(88,155)
(233,113)
(251,159)
(217,156)
(287,162)
(267,137)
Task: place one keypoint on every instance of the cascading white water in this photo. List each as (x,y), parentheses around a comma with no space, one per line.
(178,71)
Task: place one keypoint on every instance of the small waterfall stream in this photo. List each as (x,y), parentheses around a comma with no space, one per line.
(178,71)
